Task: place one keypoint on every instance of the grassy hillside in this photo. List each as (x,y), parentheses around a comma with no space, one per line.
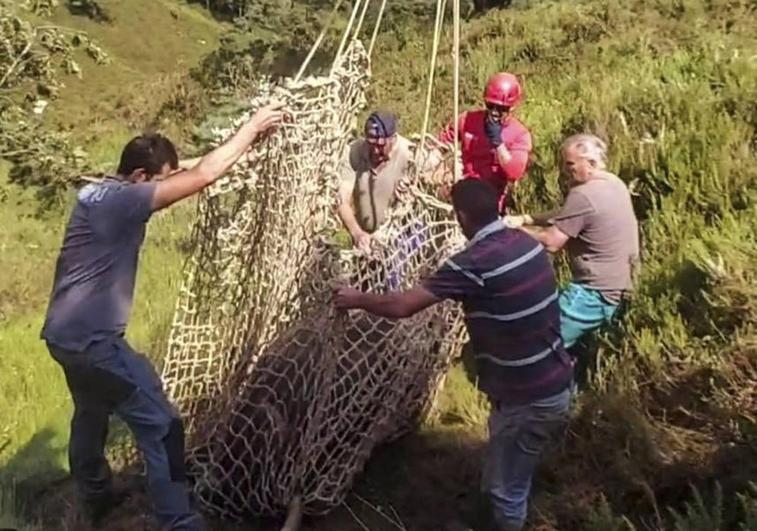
(151,45)
(672,85)
(668,401)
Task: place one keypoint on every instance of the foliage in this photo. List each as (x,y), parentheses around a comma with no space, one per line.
(10,511)
(672,85)
(602,518)
(271,38)
(91,9)
(33,58)
(668,403)
(43,8)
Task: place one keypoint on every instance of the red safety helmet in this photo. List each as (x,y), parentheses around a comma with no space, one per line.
(503,89)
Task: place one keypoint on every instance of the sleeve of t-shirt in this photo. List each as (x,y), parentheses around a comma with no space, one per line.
(451,282)
(571,219)
(520,151)
(125,207)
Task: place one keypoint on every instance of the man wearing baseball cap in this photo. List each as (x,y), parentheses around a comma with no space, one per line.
(371,168)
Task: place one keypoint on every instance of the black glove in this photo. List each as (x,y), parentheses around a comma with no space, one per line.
(493,132)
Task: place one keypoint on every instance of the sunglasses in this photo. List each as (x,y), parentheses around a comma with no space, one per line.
(497,108)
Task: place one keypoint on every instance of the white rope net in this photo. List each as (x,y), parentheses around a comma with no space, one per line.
(284,398)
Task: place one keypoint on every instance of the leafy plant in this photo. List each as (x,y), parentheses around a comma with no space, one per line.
(33,57)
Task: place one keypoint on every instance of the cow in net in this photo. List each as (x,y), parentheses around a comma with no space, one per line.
(284,397)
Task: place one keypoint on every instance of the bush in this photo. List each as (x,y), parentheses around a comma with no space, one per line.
(32,57)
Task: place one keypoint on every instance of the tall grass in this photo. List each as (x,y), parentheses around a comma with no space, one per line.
(672,85)
(669,402)
(10,511)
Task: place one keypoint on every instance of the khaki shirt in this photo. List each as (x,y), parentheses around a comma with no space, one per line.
(372,189)
(604,234)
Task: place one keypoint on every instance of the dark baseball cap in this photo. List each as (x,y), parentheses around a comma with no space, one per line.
(381,124)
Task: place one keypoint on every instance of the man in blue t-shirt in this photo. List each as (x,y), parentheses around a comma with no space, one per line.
(507,287)
(89,309)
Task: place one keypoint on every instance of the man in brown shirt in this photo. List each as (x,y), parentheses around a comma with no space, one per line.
(598,227)
(371,168)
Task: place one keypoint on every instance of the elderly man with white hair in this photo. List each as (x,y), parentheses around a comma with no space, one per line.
(598,227)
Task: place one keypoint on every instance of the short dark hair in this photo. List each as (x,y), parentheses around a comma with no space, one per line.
(149,152)
(476,199)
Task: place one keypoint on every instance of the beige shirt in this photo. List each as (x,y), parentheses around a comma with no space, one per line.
(372,189)
(604,234)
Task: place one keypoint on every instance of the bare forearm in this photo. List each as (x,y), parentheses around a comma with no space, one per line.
(189,182)
(347,215)
(544,218)
(535,232)
(389,305)
(550,237)
(217,162)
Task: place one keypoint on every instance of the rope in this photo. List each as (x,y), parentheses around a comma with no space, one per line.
(438,24)
(356,33)
(376,27)
(456,90)
(345,36)
(318,41)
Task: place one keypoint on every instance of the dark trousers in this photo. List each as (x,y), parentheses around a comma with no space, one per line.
(110,377)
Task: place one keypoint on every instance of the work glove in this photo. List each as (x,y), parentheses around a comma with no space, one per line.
(493,132)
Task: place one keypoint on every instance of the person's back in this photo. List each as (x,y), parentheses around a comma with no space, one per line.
(96,269)
(606,248)
(508,289)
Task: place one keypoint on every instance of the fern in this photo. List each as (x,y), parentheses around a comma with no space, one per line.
(602,518)
(698,516)
(749,503)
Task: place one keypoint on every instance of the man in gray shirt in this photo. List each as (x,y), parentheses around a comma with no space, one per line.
(598,227)
(89,308)
(371,168)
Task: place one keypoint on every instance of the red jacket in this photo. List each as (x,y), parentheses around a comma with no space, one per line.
(480,160)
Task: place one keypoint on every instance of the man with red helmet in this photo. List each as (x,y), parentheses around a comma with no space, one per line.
(495,145)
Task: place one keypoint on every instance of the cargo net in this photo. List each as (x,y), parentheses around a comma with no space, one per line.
(285,398)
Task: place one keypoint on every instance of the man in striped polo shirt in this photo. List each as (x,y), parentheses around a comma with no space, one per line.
(508,290)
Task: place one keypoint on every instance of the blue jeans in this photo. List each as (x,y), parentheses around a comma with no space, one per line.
(407,244)
(110,377)
(582,310)
(517,437)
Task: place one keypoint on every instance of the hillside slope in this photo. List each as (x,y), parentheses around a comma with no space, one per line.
(667,397)
(151,45)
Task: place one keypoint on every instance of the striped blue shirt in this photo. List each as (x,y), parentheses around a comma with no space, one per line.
(506,284)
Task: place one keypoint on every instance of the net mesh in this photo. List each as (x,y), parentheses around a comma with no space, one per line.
(285,397)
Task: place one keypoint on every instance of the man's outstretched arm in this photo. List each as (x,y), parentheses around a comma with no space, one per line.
(396,305)
(213,165)
(552,238)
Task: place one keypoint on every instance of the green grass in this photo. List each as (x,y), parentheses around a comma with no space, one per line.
(151,44)
(668,400)
(103,109)
(35,407)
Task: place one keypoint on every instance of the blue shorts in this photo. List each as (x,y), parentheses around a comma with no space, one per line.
(583,310)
